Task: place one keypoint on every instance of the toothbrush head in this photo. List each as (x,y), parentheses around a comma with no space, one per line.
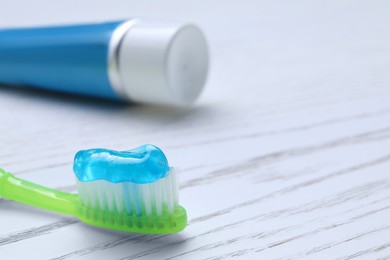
(133,191)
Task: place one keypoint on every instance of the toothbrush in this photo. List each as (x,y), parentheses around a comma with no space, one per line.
(132,191)
(136,60)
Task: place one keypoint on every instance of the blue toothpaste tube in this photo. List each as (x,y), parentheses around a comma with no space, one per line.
(134,60)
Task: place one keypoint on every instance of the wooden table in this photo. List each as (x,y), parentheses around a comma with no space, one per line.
(286,155)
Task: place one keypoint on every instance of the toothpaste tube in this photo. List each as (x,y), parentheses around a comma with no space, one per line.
(134,60)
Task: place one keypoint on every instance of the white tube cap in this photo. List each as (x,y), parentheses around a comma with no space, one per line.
(163,63)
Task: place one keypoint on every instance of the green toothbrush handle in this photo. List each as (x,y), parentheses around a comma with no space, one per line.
(32,194)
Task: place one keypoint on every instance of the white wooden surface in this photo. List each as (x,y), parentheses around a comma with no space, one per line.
(287,154)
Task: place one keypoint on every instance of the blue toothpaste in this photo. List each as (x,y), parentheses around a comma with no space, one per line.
(145,164)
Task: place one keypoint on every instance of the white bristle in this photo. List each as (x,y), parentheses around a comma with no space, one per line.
(126,194)
(130,197)
(175,192)
(158,199)
(135,193)
(117,198)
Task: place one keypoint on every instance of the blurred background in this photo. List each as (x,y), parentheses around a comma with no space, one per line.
(255,45)
(298,98)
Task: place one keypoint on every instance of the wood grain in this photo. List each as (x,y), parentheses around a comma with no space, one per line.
(286,156)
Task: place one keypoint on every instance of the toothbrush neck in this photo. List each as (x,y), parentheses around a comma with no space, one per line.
(36,195)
